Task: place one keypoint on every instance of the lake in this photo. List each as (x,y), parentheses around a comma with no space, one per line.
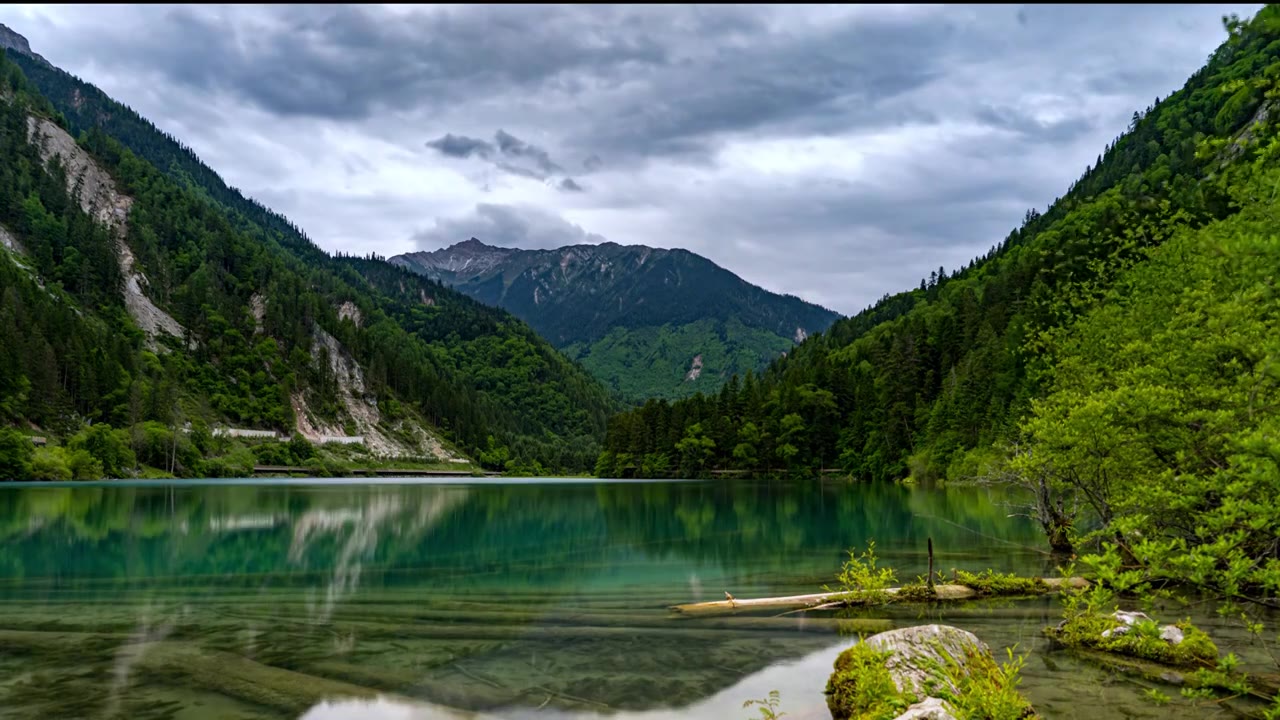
(336,600)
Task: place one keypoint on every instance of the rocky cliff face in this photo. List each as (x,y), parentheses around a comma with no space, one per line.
(10,40)
(102,201)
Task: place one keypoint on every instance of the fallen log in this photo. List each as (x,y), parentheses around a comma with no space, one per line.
(830,600)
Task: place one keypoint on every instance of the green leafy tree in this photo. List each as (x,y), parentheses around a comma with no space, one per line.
(16,452)
(695,450)
(109,447)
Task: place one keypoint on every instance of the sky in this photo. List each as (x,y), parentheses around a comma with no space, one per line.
(836,153)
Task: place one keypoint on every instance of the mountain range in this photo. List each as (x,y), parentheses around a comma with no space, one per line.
(648,322)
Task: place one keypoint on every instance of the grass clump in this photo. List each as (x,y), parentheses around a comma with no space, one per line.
(990,582)
(861,581)
(862,688)
(918,591)
(984,689)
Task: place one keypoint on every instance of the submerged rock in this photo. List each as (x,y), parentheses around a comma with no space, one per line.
(928,672)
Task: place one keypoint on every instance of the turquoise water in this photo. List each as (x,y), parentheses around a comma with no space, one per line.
(512,599)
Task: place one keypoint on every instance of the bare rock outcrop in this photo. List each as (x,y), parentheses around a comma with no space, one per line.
(96,192)
(361,407)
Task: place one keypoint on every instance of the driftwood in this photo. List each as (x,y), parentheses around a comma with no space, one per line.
(829,600)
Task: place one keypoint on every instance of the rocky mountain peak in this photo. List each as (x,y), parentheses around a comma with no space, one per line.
(13,40)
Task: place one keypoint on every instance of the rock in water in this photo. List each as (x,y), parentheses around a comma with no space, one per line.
(919,651)
(1171,634)
(931,709)
(914,673)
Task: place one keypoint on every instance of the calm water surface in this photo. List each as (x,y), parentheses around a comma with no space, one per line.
(329,600)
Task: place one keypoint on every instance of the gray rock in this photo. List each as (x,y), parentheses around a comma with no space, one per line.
(930,709)
(1171,634)
(917,649)
(1130,618)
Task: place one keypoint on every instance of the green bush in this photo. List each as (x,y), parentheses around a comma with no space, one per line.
(50,464)
(15,455)
(860,580)
(110,448)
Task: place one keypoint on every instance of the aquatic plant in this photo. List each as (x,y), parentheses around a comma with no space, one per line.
(768,707)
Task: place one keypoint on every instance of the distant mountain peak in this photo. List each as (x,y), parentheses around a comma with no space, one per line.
(11,39)
(635,314)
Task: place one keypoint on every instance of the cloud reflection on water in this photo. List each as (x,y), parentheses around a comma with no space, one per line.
(799,683)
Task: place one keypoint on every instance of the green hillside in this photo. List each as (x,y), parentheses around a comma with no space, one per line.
(145,300)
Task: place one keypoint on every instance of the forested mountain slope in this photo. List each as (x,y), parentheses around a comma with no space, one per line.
(649,322)
(146,300)
(926,381)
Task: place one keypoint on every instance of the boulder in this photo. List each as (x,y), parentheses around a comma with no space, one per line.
(913,673)
(918,651)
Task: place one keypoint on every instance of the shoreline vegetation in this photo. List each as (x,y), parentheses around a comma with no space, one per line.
(941,671)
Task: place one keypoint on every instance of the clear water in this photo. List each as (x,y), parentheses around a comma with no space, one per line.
(547,599)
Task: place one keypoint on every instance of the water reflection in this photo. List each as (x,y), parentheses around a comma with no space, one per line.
(793,679)
(284,600)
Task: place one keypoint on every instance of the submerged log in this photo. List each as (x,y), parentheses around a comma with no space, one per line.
(830,600)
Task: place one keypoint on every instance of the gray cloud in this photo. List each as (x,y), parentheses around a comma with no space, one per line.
(513,146)
(460,146)
(507,152)
(505,226)
(834,152)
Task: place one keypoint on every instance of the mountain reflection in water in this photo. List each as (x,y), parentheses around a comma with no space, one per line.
(279,600)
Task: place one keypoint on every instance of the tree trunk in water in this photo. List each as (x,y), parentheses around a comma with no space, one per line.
(1058,531)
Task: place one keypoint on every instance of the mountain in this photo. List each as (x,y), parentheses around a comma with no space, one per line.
(1112,366)
(146,303)
(648,322)
(931,382)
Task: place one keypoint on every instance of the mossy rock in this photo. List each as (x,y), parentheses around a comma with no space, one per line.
(991,583)
(1142,638)
(884,676)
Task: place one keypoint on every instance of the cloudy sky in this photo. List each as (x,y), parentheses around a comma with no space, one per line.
(836,153)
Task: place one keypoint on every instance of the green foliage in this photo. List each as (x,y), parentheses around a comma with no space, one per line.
(768,706)
(16,453)
(259,302)
(695,448)
(860,580)
(976,687)
(862,688)
(984,689)
(990,582)
(640,363)
(917,382)
(50,463)
(1142,640)
(106,446)
(238,462)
